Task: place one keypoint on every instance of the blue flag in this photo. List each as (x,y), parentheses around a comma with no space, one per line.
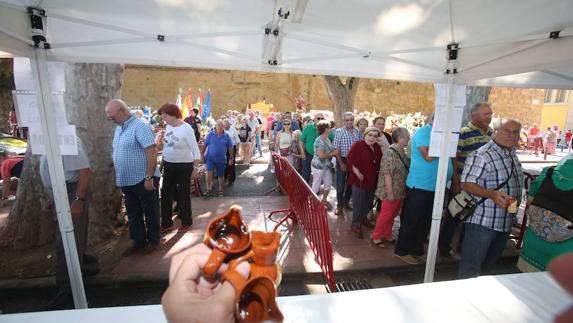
(206,107)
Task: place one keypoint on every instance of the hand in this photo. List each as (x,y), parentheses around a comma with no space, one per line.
(77,208)
(343,167)
(230,162)
(149,184)
(500,198)
(195,174)
(303,156)
(456,187)
(360,177)
(191,297)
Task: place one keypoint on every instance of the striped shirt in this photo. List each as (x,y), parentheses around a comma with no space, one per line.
(129,143)
(489,167)
(344,139)
(471,138)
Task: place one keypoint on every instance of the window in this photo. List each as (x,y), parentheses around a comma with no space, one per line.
(556,96)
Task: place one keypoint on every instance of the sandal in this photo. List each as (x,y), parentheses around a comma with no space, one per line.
(378,243)
(220,194)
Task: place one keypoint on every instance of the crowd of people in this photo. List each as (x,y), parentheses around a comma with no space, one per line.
(546,142)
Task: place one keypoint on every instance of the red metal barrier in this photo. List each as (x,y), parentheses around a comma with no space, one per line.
(306,210)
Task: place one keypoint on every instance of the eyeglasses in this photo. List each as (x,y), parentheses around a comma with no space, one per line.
(509,132)
(286,124)
(348,119)
(112,118)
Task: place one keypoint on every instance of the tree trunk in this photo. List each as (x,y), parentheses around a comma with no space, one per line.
(341,95)
(6,87)
(88,88)
(474,94)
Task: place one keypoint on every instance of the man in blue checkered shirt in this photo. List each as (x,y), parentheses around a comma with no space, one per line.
(487,230)
(136,173)
(344,138)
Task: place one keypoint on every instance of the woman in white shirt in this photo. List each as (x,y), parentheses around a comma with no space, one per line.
(180,150)
(283,141)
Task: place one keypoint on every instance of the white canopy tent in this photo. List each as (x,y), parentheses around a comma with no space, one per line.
(389,39)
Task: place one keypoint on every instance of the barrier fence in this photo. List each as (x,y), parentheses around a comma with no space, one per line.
(306,210)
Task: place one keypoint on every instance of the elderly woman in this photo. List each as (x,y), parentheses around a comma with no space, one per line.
(361,124)
(321,161)
(296,154)
(386,140)
(363,162)
(283,141)
(180,150)
(391,185)
(550,231)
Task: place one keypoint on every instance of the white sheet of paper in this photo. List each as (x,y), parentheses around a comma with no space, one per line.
(28,113)
(66,137)
(442,94)
(25,81)
(436,143)
(440,119)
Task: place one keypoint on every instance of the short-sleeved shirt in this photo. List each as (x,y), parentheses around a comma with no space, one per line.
(180,145)
(8,164)
(344,139)
(72,166)
(293,126)
(489,167)
(394,163)
(254,124)
(129,143)
(471,139)
(326,146)
(194,122)
(245,134)
(217,147)
(308,137)
(423,173)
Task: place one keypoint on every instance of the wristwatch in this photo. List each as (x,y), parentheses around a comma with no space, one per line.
(77,198)
(147,178)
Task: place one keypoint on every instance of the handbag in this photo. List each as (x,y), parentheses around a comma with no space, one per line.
(464,204)
(548,225)
(285,151)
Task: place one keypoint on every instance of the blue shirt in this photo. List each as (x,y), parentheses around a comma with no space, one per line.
(129,143)
(217,147)
(293,126)
(422,174)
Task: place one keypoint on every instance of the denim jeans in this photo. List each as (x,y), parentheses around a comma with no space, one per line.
(143,213)
(480,250)
(257,145)
(306,168)
(361,204)
(343,190)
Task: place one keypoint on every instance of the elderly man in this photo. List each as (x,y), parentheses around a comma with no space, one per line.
(218,145)
(494,176)
(344,138)
(78,175)
(420,188)
(476,134)
(230,174)
(306,144)
(136,173)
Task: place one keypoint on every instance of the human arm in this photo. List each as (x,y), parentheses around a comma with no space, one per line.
(425,151)
(500,198)
(78,204)
(151,157)
(476,167)
(191,297)
(357,172)
(388,187)
(302,151)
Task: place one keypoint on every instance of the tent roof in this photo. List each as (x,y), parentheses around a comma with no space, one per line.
(390,39)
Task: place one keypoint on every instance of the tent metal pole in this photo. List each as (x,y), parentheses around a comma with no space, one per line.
(56,171)
(441,177)
(16,36)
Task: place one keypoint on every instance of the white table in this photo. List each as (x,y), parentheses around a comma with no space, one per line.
(519,298)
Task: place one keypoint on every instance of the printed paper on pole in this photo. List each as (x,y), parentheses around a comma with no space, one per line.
(24,80)
(440,115)
(442,95)
(436,142)
(66,137)
(26,104)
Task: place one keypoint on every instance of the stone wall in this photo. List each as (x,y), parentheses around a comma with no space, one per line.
(154,86)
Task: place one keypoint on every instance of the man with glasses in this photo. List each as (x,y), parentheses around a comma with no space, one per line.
(493,173)
(306,144)
(344,138)
(136,173)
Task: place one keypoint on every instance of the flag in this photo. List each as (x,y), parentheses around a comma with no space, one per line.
(187,104)
(178,100)
(199,103)
(207,106)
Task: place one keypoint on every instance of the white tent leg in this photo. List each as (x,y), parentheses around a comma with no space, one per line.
(440,186)
(56,169)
